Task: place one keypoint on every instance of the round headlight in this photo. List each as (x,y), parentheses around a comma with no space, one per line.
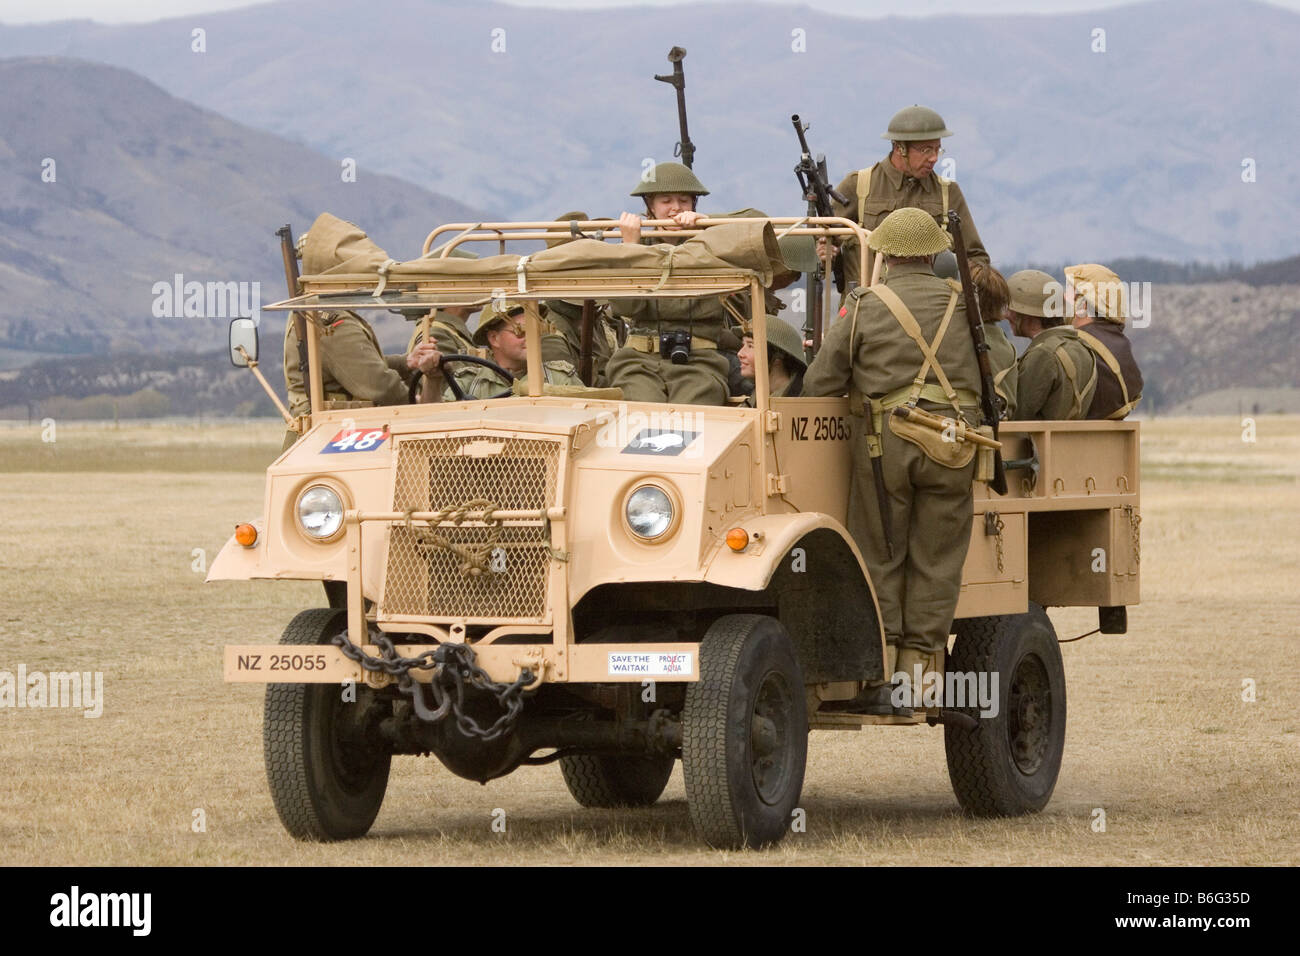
(320,511)
(649,512)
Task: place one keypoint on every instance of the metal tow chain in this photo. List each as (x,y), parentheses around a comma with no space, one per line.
(1135,522)
(993,525)
(453,667)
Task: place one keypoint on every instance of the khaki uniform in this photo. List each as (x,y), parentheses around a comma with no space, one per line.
(477,381)
(644,376)
(1119,381)
(1002,362)
(566,344)
(1058,376)
(781,392)
(891,189)
(449,332)
(930,503)
(353,366)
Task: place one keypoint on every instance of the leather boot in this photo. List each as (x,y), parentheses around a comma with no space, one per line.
(877,698)
(911,665)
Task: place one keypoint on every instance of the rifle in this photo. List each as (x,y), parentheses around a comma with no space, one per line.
(988,397)
(677,80)
(290,257)
(584,340)
(817,191)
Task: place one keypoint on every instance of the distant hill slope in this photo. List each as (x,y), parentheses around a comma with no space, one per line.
(1278,272)
(1216,336)
(145,187)
(1065,151)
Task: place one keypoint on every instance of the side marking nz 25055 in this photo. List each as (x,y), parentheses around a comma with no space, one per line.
(824,428)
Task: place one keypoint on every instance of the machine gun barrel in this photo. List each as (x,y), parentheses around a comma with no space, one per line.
(677,80)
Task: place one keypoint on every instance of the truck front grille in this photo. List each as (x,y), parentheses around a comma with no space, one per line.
(427,580)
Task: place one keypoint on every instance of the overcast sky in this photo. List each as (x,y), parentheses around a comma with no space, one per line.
(119,11)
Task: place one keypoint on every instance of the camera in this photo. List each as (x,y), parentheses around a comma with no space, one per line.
(675,346)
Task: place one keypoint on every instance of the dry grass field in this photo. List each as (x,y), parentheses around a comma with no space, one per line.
(97,569)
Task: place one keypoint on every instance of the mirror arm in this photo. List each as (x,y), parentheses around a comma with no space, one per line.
(252,367)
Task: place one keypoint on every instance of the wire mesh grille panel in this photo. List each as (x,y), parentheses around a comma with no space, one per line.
(514,473)
(427,580)
(424,577)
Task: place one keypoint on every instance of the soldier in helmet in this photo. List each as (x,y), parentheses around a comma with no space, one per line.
(502,334)
(785,360)
(1100,309)
(876,353)
(1057,374)
(671,351)
(905,177)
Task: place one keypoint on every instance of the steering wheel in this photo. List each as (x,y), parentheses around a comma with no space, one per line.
(414,391)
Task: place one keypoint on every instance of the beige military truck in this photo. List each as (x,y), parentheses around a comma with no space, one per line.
(561,576)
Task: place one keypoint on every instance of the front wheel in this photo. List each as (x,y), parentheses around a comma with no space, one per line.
(326,769)
(1008,764)
(744,733)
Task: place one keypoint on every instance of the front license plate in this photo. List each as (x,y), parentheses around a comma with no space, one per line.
(279,664)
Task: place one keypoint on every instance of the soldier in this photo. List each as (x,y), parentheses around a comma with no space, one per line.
(1097,292)
(353,366)
(1057,374)
(905,342)
(448,326)
(671,352)
(785,361)
(994,295)
(566,318)
(503,336)
(905,178)
(449,329)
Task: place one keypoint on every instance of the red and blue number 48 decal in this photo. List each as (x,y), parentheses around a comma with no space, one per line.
(356,439)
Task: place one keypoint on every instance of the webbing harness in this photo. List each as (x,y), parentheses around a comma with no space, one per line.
(1107,356)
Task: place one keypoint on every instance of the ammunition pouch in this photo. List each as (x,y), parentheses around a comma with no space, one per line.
(943,446)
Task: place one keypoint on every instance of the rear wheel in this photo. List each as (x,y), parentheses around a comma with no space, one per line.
(744,733)
(326,769)
(1009,763)
(616,781)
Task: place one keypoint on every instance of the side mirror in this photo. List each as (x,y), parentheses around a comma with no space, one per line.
(243,335)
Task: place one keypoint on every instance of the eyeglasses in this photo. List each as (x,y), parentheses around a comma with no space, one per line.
(935,151)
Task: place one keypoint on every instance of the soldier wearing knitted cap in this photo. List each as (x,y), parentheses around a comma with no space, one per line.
(906,178)
(904,342)
(1100,311)
(1057,375)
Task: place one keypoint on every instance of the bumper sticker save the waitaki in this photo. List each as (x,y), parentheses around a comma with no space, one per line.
(650,664)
